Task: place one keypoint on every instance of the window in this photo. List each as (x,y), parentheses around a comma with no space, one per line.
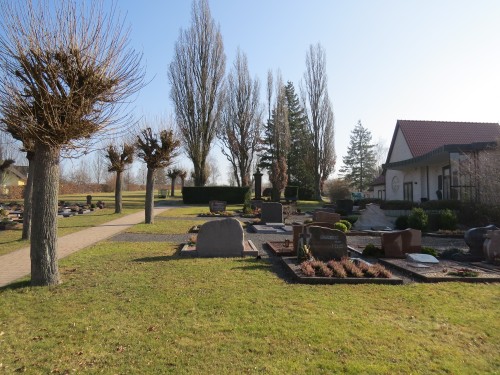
(408,191)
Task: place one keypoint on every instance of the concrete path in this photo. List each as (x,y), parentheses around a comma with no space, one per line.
(18,264)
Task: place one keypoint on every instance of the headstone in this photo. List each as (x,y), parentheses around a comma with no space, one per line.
(272,212)
(392,244)
(326,217)
(220,238)
(491,247)
(475,238)
(421,258)
(412,240)
(258,184)
(217,206)
(327,244)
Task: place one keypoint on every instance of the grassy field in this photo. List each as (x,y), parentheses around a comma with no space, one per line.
(10,240)
(140,308)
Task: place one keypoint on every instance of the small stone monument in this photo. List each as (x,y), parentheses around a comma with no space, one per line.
(475,238)
(421,258)
(397,243)
(89,199)
(491,247)
(220,238)
(258,184)
(327,244)
(272,212)
(217,206)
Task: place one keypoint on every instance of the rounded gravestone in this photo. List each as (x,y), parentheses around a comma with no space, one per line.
(220,238)
(475,238)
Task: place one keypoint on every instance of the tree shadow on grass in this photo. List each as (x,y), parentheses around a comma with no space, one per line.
(16,285)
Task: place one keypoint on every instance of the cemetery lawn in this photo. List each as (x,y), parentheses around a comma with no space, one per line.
(140,308)
(166,227)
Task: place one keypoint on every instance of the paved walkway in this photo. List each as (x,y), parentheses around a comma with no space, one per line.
(17,264)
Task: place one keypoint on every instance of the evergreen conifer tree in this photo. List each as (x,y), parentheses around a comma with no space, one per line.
(360,164)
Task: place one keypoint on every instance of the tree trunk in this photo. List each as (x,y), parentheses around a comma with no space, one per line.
(149,196)
(118,193)
(44,268)
(172,189)
(28,194)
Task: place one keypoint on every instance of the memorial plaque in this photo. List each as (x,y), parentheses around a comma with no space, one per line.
(217,206)
(327,244)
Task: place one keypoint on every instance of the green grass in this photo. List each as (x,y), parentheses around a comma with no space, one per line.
(195,210)
(139,308)
(166,227)
(10,240)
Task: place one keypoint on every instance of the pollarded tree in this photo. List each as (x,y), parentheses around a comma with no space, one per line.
(66,66)
(118,160)
(320,113)
(360,163)
(241,120)
(157,151)
(173,174)
(183,176)
(196,75)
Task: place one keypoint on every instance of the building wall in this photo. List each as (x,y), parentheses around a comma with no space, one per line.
(400,151)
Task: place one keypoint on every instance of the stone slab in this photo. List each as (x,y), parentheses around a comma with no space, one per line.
(421,258)
(220,238)
(272,212)
(249,249)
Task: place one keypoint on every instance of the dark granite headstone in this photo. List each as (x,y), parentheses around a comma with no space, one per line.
(345,205)
(327,244)
(217,206)
(272,212)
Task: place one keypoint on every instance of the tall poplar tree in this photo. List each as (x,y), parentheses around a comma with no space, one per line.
(360,163)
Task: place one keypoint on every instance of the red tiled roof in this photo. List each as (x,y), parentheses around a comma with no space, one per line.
(425,136)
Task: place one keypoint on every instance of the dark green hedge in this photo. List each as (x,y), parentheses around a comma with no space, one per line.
(204,194)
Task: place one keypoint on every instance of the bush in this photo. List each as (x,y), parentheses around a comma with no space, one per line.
(429,250)
(340,226)
(347,223)
(338,189)
(418,219)
(363,202)
(401,222)
(306,194)
(352,219)
(371,250)
(442,205)
(291,193)
(205,194)
(447,220)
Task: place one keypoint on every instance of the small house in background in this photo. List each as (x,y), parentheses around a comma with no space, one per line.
(377,187)
(14,176)
(433,160)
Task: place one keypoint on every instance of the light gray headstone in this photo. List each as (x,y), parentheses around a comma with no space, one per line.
(220,238)
(272,212)
(421,258)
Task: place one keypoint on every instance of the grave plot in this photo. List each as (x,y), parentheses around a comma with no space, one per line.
(331,263)
(281,248)
(444,270)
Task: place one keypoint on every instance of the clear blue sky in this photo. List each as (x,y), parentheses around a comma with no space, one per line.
(386,60)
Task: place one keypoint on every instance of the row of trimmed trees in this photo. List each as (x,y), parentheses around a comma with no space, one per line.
(295,144)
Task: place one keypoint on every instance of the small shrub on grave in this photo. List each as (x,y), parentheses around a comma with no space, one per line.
(307,269)
(352,219)
(321,269)
(371,250)
(429,250)
(447,220)
(418,219)
(463,272)
(450,253)
(303,253)
(401,222)
(367,270)
(340,226)
(347,223)
(337,269)
(351,269)
(382,271)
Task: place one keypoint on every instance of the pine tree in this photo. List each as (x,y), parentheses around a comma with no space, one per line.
(300,163)
(360,164)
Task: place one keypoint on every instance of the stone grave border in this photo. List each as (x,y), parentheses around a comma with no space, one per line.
(398,264)
(292,267)
(278,248)
(190,250)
